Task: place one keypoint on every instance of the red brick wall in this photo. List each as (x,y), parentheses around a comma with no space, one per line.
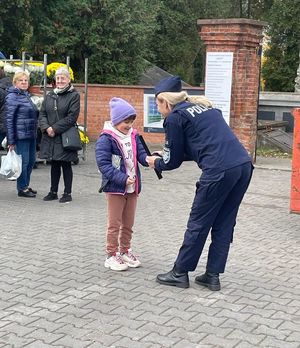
(98,107)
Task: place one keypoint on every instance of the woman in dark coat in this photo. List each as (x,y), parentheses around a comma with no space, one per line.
(59,112)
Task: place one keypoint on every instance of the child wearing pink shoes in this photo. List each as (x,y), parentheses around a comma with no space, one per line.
(118,151)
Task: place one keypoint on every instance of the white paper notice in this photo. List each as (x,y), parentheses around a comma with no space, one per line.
(218,80)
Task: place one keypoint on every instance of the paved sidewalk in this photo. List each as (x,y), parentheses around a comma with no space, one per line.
(55,291)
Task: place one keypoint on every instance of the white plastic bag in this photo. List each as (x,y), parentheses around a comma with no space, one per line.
(4,143)
(11,165)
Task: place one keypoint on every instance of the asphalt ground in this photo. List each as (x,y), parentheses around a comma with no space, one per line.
(55,291)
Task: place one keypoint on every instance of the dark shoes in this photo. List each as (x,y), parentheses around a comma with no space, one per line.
(32,190)
(181,279)
(65,198)
(210,280)
(26,193)
(51,196)
(174,278)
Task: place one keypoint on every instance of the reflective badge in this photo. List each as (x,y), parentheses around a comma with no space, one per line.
(166,155)
(116,161)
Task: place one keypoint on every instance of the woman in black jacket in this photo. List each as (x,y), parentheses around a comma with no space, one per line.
(59,112)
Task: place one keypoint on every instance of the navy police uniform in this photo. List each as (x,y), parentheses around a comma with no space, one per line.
(201,134)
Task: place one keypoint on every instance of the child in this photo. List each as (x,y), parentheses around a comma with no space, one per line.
(118,151)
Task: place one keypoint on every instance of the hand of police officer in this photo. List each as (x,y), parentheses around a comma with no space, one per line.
(151,160)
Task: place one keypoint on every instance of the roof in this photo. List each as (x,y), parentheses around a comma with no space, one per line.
(153,75)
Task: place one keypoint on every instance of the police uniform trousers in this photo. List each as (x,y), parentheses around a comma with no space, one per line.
(214,209)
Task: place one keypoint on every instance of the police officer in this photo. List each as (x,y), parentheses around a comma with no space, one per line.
(200,133)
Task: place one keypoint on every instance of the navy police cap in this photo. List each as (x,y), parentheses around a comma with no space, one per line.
(169,84)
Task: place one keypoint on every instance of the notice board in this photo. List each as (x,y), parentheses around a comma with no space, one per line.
(218,80)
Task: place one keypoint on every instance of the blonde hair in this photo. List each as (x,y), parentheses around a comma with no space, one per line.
(173,98)
(19,74)
(200,100)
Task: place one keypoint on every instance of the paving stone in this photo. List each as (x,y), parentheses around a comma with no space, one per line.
(218,341)
(163,340)
(46,324)
(13,340)
(160,329)
(73,320)
(68,341)
(193,337)
(186,343)
(19,330)
(252,338)
(273,342)
(41,344)
(43,335)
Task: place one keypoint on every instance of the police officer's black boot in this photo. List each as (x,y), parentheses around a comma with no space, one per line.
(210,280)
(174,278)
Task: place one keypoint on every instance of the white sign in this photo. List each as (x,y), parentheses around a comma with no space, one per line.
(218,80)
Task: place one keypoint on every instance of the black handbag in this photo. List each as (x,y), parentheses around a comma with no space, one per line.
(71,139)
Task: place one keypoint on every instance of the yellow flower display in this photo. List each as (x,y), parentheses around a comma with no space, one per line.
(83,137)
(31,64)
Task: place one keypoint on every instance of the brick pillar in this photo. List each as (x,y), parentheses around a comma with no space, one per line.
(242,37)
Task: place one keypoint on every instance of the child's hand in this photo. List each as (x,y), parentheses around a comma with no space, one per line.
(130,181)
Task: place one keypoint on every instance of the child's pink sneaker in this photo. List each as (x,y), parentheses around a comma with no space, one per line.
(115,263)
(130,260)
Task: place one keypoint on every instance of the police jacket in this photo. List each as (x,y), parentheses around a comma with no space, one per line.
(59,111)
(200,134)
(4,84)
(111,162)
(21,116)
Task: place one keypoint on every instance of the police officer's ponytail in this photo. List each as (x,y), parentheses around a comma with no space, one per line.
(200,100)
(172,98)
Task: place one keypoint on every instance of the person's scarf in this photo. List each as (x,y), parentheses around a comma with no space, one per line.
(67,88)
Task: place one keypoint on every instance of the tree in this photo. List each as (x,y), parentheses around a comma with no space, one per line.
(14,23)
(112,34)
(282,56)
(176,44)
(119,36)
